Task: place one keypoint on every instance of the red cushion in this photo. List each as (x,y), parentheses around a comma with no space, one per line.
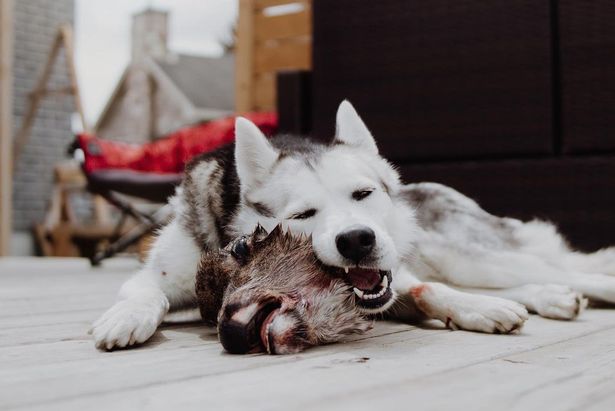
(169,154)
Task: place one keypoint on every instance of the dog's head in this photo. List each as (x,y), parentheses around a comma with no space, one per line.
(343,194)
(269,292)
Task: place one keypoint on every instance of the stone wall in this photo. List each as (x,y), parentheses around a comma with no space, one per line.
(35,25)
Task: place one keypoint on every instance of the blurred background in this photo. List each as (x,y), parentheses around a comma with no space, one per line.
(102,103)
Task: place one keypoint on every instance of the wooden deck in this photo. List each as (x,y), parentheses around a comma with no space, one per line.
(47,360)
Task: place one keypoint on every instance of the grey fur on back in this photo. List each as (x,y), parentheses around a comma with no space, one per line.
(444,211)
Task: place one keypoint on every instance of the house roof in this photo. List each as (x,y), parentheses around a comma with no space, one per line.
(206,82)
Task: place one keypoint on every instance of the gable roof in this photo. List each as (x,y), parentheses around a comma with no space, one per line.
(206,82)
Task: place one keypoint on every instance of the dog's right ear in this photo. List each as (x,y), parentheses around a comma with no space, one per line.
(254,155)
(351,130)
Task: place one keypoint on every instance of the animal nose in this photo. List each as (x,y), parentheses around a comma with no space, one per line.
(236,338)
(239,328)
(356,243)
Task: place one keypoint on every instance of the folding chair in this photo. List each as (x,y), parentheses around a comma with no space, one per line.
(151,171)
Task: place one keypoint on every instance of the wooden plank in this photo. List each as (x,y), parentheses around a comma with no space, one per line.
(266,44)
(284,56)
(148,367)
(283,26)
(6,123)
(265,92)
(335,372)
(47,361)
(571,374)
(263,4)
(244,57)
(66,32)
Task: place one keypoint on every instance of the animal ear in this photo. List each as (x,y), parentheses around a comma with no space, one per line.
(351,130)
(259,233)
(277,231)
(254,155)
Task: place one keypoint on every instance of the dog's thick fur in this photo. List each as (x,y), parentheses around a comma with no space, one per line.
(427,234)
(246,290)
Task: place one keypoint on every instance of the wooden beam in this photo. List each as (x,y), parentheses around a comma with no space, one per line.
(66,32)
(264,92)
(6,115)
(283,26)
(287,55)
(244,57)
(267,43)
(263,4)
(63,38)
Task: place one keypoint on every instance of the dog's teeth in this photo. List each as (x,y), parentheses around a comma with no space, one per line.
(346,270)
(358,292)
(385,282)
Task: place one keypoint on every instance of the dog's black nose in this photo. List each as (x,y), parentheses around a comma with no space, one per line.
(356,243)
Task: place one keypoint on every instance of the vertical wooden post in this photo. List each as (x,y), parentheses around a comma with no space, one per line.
(66,32)
(6,115)
(244,56)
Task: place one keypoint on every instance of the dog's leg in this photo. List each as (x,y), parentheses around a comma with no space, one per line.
(554,301)
(166,281)
(508,269)
(458,310)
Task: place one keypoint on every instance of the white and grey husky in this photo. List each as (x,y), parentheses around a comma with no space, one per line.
(394,242)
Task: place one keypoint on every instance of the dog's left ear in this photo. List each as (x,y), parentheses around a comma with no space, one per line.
(351,130)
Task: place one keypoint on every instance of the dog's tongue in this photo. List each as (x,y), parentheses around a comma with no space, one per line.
(363,278)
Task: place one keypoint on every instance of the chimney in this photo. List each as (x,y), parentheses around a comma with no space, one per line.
(149,34)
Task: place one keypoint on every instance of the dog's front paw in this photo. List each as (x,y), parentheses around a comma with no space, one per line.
(128,322)
(488,314)
(558,302)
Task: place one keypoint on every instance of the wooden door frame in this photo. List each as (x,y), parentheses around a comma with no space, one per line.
(6,128)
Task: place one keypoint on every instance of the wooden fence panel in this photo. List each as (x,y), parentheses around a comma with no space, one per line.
(269,40)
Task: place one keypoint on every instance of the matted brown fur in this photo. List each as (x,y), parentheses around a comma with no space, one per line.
(312,304)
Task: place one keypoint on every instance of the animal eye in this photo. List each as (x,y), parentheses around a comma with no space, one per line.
(361,194)
(304,215)
(240,249)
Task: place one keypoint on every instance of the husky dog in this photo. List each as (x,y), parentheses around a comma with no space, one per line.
(392,242)
(269,292)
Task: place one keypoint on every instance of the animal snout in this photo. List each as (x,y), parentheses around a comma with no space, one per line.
(240,328)
(356,243)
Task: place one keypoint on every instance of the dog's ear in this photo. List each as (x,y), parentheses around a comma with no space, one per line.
(351,130)
(254,155)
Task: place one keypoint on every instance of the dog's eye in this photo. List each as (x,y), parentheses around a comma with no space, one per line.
(304,215)
(240,249)
(361,194)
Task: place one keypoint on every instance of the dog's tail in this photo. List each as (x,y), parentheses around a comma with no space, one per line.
(601,261)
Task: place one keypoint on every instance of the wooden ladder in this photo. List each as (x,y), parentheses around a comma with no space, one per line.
(63,38)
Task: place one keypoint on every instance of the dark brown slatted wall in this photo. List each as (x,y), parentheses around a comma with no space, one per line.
(439,78)
(587,44)
(575,193)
